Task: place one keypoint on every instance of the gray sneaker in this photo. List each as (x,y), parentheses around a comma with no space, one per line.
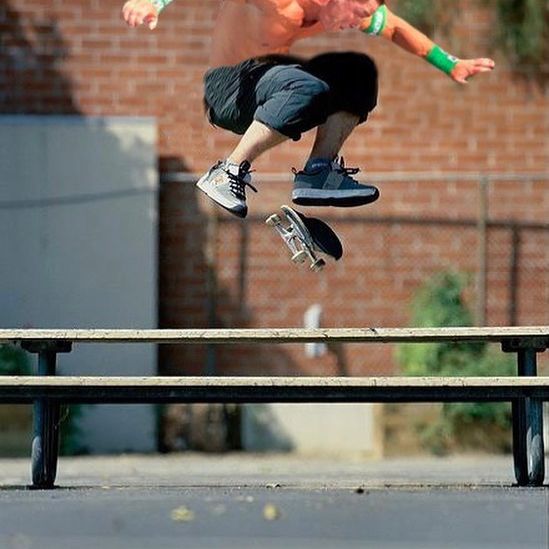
(331,185)
(225,183)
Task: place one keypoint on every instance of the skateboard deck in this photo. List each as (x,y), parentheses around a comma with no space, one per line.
(306,237)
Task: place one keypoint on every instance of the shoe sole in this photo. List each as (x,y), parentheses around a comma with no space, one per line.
(239,212)
(306,199)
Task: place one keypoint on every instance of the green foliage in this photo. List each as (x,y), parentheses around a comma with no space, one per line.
(429,16)
(13,361)
(523,32)
(522,28)
(440,303)
(70,442)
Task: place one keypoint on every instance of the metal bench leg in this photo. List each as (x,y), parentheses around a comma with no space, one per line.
(519,441)
(535,445)
(528,446)
(46,415)
(45,442)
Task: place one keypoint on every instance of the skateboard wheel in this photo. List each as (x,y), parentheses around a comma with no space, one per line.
(299,257)
(273,220)
(318,265)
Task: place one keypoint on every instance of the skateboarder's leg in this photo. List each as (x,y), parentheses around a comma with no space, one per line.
(352,79)
(258,139)
(278,102)
(289,102)
(331,135)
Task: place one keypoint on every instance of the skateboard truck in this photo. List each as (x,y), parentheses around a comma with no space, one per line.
(306,237)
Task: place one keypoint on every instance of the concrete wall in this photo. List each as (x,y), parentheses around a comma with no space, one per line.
(314,429)
(78,234)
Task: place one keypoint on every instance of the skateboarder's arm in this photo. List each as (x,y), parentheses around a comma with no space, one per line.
(385,23)
(138,12)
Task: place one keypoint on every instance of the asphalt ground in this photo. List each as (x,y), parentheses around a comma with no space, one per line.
(272,501)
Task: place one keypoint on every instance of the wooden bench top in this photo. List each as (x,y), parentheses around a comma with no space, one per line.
(22,389)
(276,335)
(274,381)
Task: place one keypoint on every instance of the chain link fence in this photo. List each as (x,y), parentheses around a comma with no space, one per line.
(493,228)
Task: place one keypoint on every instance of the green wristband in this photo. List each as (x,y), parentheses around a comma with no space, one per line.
(442,60)
(160,4)
(378,22)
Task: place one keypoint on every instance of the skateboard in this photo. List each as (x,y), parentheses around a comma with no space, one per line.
(306,237)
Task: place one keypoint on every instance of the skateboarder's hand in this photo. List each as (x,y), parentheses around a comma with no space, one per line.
(466,68)
(137,12)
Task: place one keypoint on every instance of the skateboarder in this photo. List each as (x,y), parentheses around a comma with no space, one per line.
(256,89)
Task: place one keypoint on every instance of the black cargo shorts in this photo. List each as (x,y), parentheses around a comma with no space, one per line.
(288,94)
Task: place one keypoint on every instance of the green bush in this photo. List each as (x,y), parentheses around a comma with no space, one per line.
(70,440)
(521,32)
(430,16)
(13,361)
(440,303)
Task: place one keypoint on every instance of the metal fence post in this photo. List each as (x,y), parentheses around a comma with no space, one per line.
(481,282)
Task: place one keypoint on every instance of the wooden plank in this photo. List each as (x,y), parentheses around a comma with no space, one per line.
(103,390)
(270,381)
(282,335)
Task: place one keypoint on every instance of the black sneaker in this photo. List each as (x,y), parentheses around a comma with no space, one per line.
(331,185)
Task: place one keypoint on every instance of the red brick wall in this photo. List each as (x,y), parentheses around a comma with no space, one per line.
(78,57)
(61,56)
(389,251)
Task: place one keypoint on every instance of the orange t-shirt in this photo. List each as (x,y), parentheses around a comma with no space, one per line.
(252,28)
